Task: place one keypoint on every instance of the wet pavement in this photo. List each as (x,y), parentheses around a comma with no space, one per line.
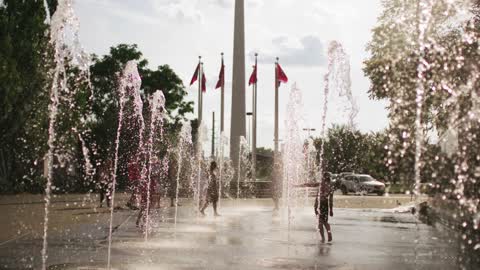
(248,235)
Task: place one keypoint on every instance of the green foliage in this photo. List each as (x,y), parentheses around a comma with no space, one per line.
(393,65)
(23,98)
(105,74)
(344,149)
(84,112)
(375,158)
(165,79)
(264,162)
(71,128)
(349,150)
(451,56)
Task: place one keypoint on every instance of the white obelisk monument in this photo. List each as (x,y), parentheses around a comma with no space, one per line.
(238,127)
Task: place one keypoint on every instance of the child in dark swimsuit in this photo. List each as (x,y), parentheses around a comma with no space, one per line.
(212,190)
(324,203)
(104,182)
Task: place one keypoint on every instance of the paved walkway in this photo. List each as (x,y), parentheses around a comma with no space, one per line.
(23,214)
(248,235)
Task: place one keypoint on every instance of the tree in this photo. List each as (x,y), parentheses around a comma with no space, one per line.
(349,150)
(374,160)
(23,92)
(343,149)
(450,53)
(165,79)
(105,74)
(264,162)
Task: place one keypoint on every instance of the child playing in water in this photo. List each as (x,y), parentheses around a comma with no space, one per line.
(146,195)
(104,183)
(212,190)
(134,182)
(323,204)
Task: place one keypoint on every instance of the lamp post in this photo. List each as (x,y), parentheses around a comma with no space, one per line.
(249,127)
(309,130)
(307,154)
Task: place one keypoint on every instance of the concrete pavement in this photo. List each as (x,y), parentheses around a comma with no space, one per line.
(248,235)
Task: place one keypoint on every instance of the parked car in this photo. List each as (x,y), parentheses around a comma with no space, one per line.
(335,184)
(335,181)
(361,183)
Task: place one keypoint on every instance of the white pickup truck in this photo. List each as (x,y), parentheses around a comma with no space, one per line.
(361,183)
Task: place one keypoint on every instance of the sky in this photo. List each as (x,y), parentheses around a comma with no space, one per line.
(176,32)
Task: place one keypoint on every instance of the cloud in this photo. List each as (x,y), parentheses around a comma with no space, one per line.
(230,3)
(223,3)
(309,52)
(152,11)
(180,10)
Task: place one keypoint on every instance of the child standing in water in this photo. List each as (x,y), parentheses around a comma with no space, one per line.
(147,191)
(134,182)
(104,182)
(324,205)
(212,190)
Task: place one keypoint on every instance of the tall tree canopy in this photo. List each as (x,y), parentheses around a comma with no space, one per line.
(24,43)
(105,73)
(449,53)
(25,83)
(439,72)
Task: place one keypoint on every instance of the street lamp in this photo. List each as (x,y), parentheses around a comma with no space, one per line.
(306,149)
(249,128)
(309,130)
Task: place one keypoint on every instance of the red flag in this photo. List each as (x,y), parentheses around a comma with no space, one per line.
(281,76)
(221,77)
(253,77)
(204,83)
(195,75)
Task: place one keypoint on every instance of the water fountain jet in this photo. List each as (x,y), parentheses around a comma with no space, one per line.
(64,38)
(130,82)
(157,109)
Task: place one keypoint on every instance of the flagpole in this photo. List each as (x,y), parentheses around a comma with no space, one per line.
(222,127)
(201,90)
(221,84)
(275,135)
(254,125)
(199,154)
(276,157)
(222,101)
(200,95)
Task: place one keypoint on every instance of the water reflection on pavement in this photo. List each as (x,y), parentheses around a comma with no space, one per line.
(253,238)
(246,236)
